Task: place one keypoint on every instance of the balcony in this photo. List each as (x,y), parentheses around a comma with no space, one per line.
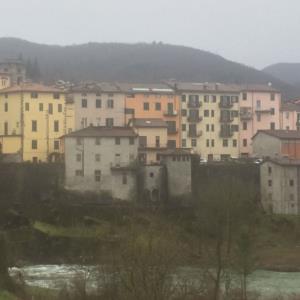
(152,147)
(226,133)
(170,113)
(69,99)
(245,113)
(195,134)
(194,119)
(194,104)
(172,131)
(262,110)
(225,105)
(226,119)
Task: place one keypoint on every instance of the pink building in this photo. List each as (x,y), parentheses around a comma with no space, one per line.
(290,116)
(259,110)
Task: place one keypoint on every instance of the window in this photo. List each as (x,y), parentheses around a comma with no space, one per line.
(171,127)
(272,96)
(78,157)
(6,107)
(212,127)
(109,122)
(183,98)
(27,106)
(56,145)
(287,115)
(183,112)
(34,125)
(183,143)
(244,96)
(234,143)
(157,141)
(157,106)
(269,183)
(59,107)
(245,142)
(98,103)
(225,143)
(56,96)
(207,127)
(97,175)
(84,103)
(34,144)
(41,106)
(34,159)
(272,110)
(6,95)
(206,98)
(258,104)
(194,143)
(291,182)
(97,141)
(244,125)
(79,173)
(171,144)
(56,126)
(117,141)
(78,141)
(258,117)
(214,99)
(131,141)
(234,128)
(206,113)
(212,113)
(110,103)
(269,170)
(146,105)
(183,127)
(272,126)
(97,157)
(5,128)
(124,178)
(34,95)
(207,143)
(50,108)
(212,143)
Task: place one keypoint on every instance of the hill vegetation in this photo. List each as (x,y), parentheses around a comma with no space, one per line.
(134,63)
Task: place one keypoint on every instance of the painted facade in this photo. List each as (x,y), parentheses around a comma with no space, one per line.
(32,121)
(98,104)
(290,116)
(157,101)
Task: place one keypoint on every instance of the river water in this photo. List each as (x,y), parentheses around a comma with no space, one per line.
(266,283)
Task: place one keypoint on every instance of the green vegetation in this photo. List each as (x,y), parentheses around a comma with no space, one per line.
(4,295)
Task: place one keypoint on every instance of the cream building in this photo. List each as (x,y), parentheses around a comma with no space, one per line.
(98,104)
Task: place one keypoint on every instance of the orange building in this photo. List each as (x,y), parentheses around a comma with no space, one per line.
(156,101)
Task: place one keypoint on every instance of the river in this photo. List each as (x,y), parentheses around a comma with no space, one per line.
(266,283)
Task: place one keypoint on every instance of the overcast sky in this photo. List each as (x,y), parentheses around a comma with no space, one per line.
(254,32)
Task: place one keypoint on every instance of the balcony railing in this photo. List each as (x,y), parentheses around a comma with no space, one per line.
(194,134)
(194,119)
(172,130)
(226,119)
(245,115)
(171,113)
(226,133)
(262,110)
(194,104)
(152,146)
(119,165)
(225,105)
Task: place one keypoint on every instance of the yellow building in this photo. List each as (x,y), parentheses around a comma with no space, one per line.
(4,80)
(33,118)
(153,138)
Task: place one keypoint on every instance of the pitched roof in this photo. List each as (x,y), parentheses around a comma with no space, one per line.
(144,88)
(289,106)
(215,87)
(149,123)
(284,161)
(31,87)
(281,134)
(101,131)
(94,87)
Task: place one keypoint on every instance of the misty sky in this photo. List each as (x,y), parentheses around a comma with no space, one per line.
(254,32)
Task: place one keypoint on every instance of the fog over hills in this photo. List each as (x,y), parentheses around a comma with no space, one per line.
(288,72)
(135,63)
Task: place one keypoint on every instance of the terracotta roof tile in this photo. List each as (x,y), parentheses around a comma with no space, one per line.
(31,87)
